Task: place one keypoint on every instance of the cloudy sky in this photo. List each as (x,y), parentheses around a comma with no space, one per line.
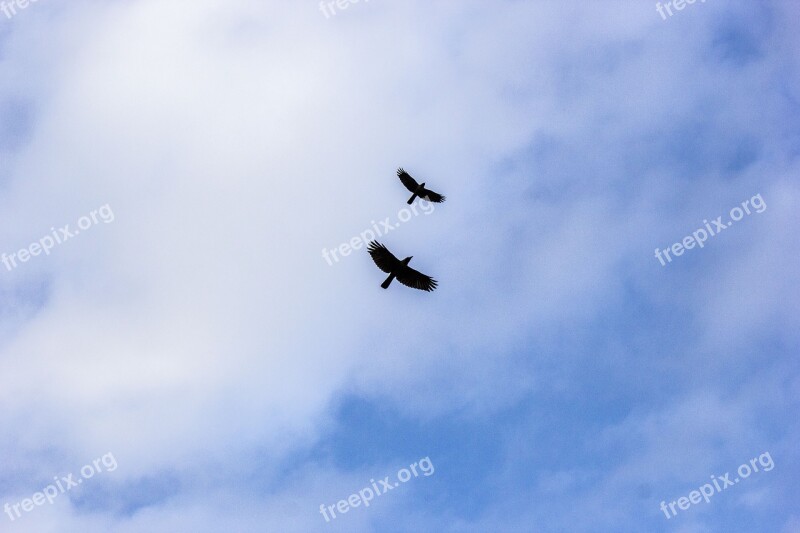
(172,173)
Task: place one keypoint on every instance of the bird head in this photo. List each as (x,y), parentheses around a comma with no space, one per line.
(422,184)
(407,259)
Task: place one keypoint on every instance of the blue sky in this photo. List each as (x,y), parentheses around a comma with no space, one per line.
(559,379)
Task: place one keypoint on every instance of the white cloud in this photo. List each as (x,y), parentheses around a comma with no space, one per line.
(235,141)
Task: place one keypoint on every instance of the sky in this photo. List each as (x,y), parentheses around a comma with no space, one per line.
(615,328)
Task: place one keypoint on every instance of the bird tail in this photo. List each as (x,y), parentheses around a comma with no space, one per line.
(386,283)
(411,200)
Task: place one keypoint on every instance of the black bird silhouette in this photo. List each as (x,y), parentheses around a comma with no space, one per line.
(399,269)
(418,188)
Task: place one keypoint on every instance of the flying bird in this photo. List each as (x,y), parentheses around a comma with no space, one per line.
(418,188)
(399,269)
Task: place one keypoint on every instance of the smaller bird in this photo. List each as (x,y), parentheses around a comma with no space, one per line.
(399,269)
(418,188)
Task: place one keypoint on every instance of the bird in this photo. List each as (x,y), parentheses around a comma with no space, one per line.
(418,188)
(399,269)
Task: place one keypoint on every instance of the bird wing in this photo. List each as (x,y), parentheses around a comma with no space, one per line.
(416,280)
(431,196)
(410,183)
(383,257)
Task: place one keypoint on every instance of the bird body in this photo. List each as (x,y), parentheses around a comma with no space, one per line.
(418,189)
(398,269)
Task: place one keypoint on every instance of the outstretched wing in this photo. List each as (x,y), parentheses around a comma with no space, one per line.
(410,183)
(383,257)
(431,196)
(416,280)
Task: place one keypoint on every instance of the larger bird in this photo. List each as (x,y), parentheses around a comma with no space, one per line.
(399,269)
(418,188)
